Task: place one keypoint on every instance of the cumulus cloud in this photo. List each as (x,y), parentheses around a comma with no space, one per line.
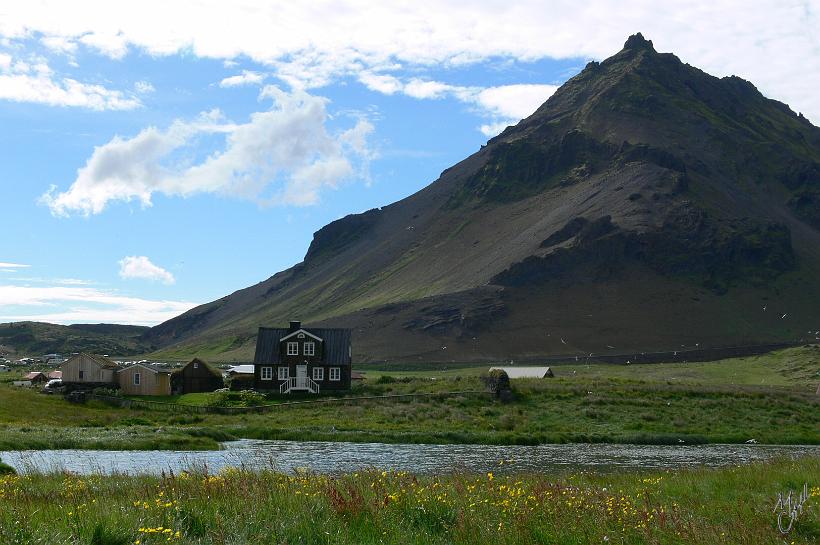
(139,266)
(772,43)
(27,81)
(504,104)
(72,304)
(247,77)
(285,155)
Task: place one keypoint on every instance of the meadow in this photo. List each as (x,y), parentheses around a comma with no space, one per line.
(727,506)
(770,399)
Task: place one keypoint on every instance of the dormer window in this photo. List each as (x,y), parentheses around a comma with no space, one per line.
(310,349)
(293,349)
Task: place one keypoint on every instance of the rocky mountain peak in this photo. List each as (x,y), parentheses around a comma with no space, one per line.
(638,42)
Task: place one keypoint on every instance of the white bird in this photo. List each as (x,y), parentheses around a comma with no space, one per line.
(681,441)
(610,346)
(784,316)
(563,341)
(751,442)
(764,309)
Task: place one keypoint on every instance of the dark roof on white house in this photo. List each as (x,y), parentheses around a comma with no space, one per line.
(336,344)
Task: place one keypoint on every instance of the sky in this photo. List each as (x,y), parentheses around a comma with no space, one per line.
(159,155)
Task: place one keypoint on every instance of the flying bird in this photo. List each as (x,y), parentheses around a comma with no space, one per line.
(784,316)
(563,341)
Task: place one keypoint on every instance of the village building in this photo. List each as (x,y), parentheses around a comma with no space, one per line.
(35,377)
(139,379)
(525,372)
(196,376)
(299,359)
(89,371)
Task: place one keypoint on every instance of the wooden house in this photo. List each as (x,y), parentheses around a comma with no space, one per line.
(86,370)
(196,376)
(298,359)
(35,377)
(139,379)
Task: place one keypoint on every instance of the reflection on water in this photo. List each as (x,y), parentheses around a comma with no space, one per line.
(327,457)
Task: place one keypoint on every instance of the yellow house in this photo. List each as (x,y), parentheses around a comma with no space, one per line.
(140,379)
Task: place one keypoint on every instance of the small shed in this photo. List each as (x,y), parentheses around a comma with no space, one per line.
(142,380)
(35,377)
(196,376)
(526,372)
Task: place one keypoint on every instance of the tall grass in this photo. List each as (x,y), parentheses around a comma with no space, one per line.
(728,506)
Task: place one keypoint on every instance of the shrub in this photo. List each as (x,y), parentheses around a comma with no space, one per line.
(497,381)
(6,469)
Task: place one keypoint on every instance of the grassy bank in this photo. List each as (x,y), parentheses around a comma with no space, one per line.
(768,400)
(730,506)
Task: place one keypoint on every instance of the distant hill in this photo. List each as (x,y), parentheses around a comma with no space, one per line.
(646,205)
(37,338)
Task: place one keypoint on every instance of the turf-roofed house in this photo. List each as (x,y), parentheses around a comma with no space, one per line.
(301,359)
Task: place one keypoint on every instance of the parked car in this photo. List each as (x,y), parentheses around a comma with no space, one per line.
(54,386)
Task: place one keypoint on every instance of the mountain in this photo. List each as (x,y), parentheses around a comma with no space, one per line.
(646,205)
(38,338)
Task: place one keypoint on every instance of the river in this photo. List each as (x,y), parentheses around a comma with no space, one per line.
(332,457)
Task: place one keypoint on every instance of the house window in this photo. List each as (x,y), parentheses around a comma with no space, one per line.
(310,349)
(196,365)
(283,373)
(136,379)
(318,373)
(293,349)
(81,375)
(267,373)
(335,373)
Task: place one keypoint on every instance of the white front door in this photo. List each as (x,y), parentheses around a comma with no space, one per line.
(301,376)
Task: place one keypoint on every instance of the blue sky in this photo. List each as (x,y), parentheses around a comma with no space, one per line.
(150,167)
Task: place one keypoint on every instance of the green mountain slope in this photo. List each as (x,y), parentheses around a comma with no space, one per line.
(646,205)
(37,338)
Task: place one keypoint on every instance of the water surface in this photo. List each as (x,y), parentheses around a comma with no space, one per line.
(332,457)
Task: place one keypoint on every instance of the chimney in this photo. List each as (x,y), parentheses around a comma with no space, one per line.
(295,325)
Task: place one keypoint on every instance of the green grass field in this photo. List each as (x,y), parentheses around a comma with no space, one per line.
(770,399)
(725,506)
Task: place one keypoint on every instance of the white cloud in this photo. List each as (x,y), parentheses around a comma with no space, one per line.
(247,77)
(144,87)
(134,266)
(286,151)
(60,44)
(22,81)
(769,42)
(504,104)
(70,304)
(514,101)
(12,266)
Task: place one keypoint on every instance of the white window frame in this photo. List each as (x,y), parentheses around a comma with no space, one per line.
(312,346)
(318,373)
(196,365)
(335,374)
(283,373)
(266,373)
(293,348)
(137,379)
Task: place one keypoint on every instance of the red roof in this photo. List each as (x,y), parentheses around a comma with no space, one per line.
(33,375)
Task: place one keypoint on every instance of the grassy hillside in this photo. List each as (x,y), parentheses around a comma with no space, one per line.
(37,338)
(774,402)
